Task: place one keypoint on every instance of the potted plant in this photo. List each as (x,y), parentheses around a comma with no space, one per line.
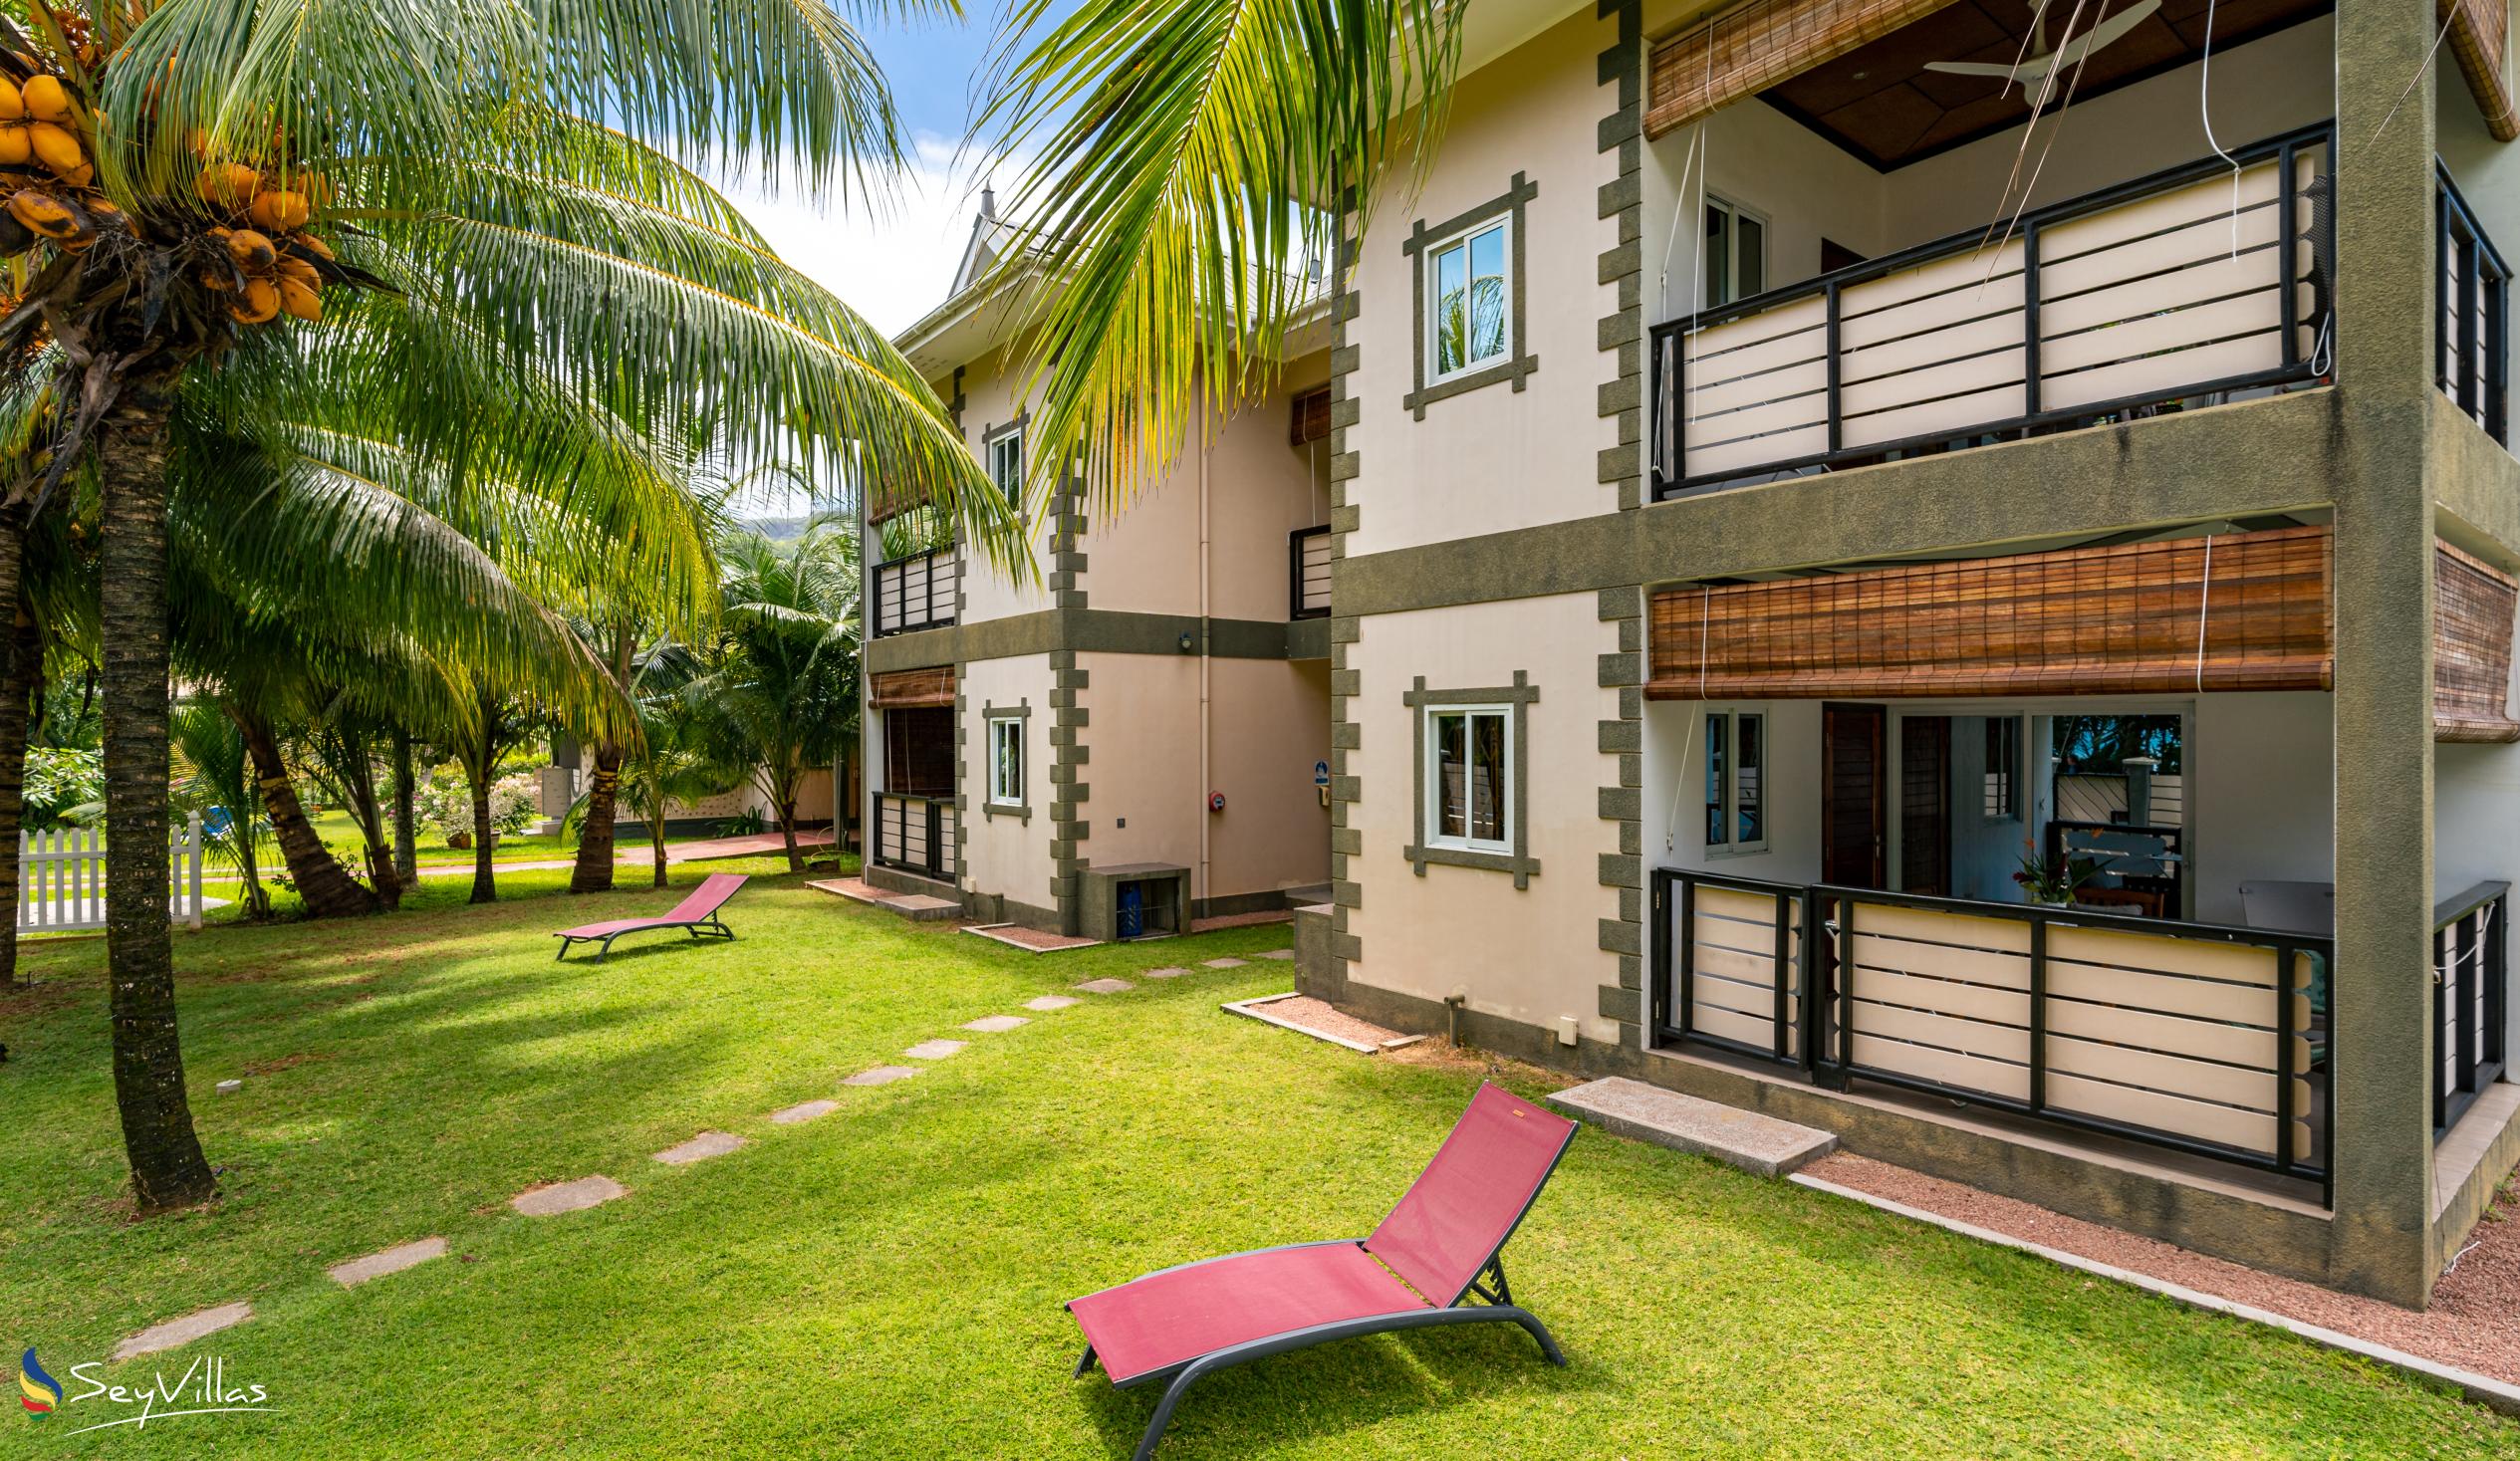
(2052,882)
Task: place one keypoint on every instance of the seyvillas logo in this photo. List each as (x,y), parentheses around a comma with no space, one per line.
(39,1392)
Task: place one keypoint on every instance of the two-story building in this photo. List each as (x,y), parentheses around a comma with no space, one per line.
(1800,463)
(1139,735)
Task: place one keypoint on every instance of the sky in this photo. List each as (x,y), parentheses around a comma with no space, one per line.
(894,263)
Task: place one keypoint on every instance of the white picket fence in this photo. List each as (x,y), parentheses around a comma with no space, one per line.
(61,878)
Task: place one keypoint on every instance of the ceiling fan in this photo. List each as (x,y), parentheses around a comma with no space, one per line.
(2032,70)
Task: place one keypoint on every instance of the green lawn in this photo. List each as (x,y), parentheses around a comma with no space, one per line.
(885,1282)
(340,834)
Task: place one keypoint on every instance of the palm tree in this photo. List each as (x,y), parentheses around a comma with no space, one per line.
(675,761)
(219,786)
(1190,161)
(161,245)
(782,693)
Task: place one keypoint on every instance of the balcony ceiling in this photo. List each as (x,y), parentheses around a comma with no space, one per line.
(1881,103)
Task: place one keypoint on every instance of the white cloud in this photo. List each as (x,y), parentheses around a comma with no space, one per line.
(891,260)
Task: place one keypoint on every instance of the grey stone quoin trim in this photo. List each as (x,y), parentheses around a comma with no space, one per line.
(1623,263)
(1519,696)
(1346,466)
(1517,364)
(990,806)
(1621,801)
(1067,788)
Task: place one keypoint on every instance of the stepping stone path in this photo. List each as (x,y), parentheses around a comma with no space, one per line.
(935,1049)
(184,1331)
(1226,963)
(1049,1002)
(881,1076)
(1106,986)
(392,1261)
(806,1112)
(1166,973)
(1278,954)
(700,1148)
(230,1088)
(997,1024)
(563,1197)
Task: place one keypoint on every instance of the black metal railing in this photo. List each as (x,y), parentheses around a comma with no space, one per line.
(915,834)
(2303,353)
(1811,1018)
(913,592)
(1308,573)
(2471,998)
(2472,336)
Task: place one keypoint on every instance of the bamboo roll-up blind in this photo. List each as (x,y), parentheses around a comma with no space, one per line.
(2478,32)
(1758,43)
(2473,607)
(901,689)
(2236,611)
(1308,417)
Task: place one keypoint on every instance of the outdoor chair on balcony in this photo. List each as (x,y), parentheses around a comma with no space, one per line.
(1442,1244)
(697,916)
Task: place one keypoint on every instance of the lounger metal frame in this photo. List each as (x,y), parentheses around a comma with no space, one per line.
(709,927)
(1496,1306)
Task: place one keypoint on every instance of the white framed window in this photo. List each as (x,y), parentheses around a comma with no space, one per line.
(1006,463)
(1735,248)
(2003,767)
(1470,778)
(1736,782)
(1469,283)
(1006,761)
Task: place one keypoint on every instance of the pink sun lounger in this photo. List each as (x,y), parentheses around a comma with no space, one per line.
(697,914)
(1443,1244)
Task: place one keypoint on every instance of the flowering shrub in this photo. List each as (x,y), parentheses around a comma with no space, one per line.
(444,802)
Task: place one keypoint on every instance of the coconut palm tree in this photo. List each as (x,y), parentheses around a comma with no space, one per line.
(197,181)
(218,784)
(1189,163)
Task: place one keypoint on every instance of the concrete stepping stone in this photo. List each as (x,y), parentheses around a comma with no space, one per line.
(1226,963)
(1049,1002)
(997,1024)
(700,1148)
(804,1112)
(177,1331)
(1106,986)
(562,1197)
(1749,1140)
(935,1049)
(881,1076)
(1173,973)
(1278,954)
(392,1261)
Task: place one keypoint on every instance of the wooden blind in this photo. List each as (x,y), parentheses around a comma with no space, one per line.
(900,688)
(1754,45)
(2236,611)
(2472,606)
(1310,419)
(919,750)
(2478,32)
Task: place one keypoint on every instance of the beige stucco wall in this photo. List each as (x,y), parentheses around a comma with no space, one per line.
(988,392)
(1141,738)
(1495,458)
(1526,955)
(1002,854)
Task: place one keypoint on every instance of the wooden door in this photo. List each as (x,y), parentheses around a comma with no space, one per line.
(1854,822)
(1924,805)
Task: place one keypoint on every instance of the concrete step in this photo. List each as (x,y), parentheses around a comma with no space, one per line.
(1751,1141)
(917,907)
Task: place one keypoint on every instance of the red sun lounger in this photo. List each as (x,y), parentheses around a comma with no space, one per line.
(696,915)
(1443,1244)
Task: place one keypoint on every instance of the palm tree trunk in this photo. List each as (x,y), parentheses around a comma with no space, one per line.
(17,694)
(360,782)
(323,882)
(657,840)
(594,873)
(168,1167)
(485,883)
(782,790)
(407,843)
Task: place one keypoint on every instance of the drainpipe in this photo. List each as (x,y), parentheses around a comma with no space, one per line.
(1207,785)
(2140,771)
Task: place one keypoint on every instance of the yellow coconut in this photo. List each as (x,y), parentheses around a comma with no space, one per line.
(258,301)
(12,103)
(309,243)
(252,251)
(14,148)
(47,100)
(300,299)
(227,184)
(45,214)
(278,211)
(57,148)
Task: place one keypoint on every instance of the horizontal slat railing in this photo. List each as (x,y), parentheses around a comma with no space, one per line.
(916,592)
(2199,279)
(2194,1037)
(2471,998)
(2473,337)
(1728,959)
(1308,573)
(915,834)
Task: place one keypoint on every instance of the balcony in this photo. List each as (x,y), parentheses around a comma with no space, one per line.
(913,593)
(1308,573)
(915,834)
(2473,343)
(2192,286)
